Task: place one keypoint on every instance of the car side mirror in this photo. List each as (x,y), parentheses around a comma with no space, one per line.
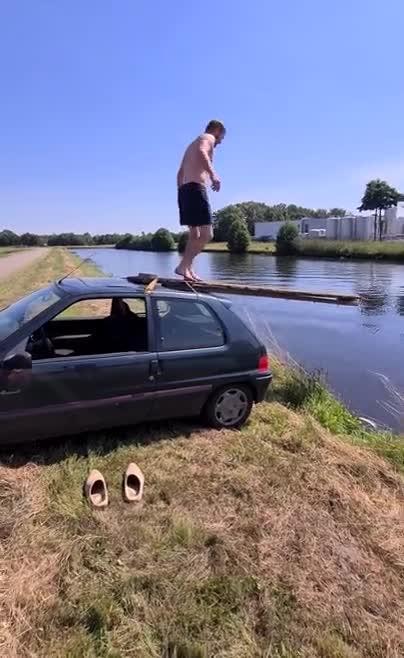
(20,361)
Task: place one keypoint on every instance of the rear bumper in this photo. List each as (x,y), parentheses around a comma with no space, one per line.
(261,385)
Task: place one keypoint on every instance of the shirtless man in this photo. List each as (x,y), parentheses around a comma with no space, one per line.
(194,175)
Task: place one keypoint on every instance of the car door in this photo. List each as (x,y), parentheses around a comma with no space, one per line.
(65,395)
(192,355)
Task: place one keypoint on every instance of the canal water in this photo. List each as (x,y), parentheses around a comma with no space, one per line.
(360,349)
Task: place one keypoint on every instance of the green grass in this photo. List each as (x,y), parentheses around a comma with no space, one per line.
(305,392)
(5,251)
(254,248)
(393,251)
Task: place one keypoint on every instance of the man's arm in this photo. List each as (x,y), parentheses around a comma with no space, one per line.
(205,149)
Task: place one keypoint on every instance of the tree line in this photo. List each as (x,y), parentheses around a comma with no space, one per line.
(10,239)
(233,224)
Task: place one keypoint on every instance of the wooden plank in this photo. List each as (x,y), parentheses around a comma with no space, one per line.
(221,287)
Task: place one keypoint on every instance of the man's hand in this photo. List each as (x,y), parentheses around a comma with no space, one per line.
(215,183)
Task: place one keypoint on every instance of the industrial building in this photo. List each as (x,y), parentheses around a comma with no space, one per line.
(350,227)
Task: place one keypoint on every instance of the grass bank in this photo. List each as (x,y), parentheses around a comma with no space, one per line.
(284,540)
(56,263)
(393,251)
(5,251)
(254,247)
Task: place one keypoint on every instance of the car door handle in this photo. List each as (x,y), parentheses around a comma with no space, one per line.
(154,370)
(10,392)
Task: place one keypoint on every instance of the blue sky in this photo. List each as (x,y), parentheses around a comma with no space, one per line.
(99,99)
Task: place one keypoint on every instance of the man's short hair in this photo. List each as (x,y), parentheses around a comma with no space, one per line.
(215,125)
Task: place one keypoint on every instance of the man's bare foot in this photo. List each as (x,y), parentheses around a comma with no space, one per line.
(195,276)
(186,274)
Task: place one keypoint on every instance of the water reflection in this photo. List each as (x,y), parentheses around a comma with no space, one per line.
(373,301)
(286,268)
(400,304)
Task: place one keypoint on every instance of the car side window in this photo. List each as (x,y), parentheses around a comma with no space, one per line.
(187,324)
(93,327)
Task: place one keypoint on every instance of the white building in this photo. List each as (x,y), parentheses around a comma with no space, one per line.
(350,227)
(269,230)
(394,221)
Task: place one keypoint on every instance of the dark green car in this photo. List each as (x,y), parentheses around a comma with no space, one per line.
(87,354)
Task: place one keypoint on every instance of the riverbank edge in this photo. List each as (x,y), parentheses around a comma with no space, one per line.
(332,251)
(184,564)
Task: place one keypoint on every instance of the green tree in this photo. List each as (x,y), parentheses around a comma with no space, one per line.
(287,240)
(182,242)
(378,196)
(337,212)
(30,240)
(252,211)
(9,238)
(224,219)
(125,241)
(239,238)
(162,240)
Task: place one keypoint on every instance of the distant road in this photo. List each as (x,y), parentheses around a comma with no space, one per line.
(19,259)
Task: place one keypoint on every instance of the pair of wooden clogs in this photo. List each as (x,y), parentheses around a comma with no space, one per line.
(96,490)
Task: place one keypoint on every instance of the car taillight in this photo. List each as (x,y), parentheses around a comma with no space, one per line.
(263,363)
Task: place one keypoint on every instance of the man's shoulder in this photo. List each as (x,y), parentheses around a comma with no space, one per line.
(208,137)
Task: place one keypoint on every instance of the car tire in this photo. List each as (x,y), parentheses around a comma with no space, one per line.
(229,407)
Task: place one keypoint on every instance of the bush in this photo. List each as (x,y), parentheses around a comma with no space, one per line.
(125,242)
(223,223)
(239,238)
(162,240)
(8,238)
(143,242)
(182,242)
(287,240)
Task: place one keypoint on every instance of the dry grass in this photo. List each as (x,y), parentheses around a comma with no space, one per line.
(280,540)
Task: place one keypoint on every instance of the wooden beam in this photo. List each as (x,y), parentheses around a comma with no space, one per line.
(221,287)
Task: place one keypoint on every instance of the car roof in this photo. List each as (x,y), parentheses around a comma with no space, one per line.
(117,286)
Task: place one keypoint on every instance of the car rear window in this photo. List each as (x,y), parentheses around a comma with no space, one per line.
(186,324)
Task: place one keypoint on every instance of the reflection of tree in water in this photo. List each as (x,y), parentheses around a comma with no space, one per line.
(373,301)
(286,268)
(400,304)
(373,286)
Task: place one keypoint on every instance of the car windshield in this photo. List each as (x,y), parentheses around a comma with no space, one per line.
(15,316)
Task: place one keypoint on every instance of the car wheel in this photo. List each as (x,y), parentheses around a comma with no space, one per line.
(229,407)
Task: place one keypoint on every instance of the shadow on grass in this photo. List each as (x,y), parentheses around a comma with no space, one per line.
(104,442)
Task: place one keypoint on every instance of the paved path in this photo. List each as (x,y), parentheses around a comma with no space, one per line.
(19,259)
